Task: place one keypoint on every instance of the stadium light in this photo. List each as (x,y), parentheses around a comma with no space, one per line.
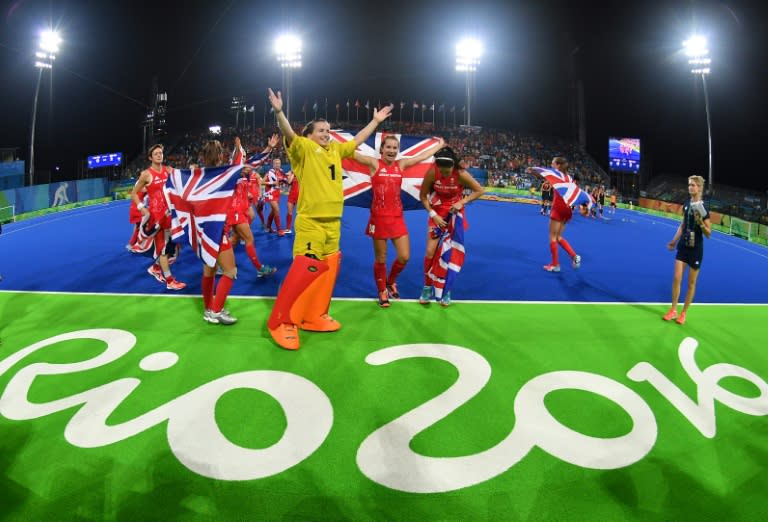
(697,51)
(45,55)
(468,53)
(288,51)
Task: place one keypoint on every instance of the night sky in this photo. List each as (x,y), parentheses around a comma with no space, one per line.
(637,82)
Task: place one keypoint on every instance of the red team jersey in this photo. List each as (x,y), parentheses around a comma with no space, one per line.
(238,209)
(293,195)
(386,220)
(238,156)
(560,209)
(447,191)
(254,184)
(158,206)
(272,184)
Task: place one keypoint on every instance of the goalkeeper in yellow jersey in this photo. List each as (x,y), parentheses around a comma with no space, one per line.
(305,295)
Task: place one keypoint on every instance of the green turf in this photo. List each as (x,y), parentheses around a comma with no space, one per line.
(684,475)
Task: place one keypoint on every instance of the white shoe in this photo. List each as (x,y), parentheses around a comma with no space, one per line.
(222,317)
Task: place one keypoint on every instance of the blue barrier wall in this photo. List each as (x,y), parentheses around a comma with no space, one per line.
(37,197)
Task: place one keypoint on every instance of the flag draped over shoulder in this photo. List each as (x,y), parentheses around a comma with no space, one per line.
(357,177)
(449,256)
(199,200)
(566,187)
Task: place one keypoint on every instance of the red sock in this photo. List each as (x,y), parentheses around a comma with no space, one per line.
(567,247)
(288,221)
(277,222)
(553,249)
(427,266)
(397,267)
(207,287)
(270,218)
(380,275)
(222,291)
(251,251)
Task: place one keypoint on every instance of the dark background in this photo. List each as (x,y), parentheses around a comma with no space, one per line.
(628,56)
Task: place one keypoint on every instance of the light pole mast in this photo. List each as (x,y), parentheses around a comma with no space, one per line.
(468,53)
(288,50)
(696,49)
(45,54)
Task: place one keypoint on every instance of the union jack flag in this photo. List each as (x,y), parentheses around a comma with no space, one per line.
(565,186)
(357,177)
(447,264)
(258,159)
(199,200)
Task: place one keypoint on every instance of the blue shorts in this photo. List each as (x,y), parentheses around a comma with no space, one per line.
(691,256)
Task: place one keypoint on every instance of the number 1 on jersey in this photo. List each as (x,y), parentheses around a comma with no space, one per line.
(332,167)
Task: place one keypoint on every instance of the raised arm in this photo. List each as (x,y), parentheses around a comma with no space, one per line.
(276,100)
(407,162)
(378,117)
(373,165)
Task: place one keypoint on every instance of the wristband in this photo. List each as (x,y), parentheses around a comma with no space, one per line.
(140,206)
(432,214)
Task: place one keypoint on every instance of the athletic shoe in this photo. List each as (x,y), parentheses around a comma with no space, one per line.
(265,270)
(156,272)
(681,318)
(446,299)
(384,299)
(173,284)
(209,317)
(324,323)
(288,231)
(426,295)
(222,317)
(671,314)
(552,268)
(281,232)
(392,291)
(576,262)
(286,336)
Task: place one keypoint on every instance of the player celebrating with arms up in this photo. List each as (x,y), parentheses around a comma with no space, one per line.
(305,295)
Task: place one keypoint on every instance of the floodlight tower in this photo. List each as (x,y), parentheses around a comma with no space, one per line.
(468,53)
(288,51)
(696,49)
(45,56)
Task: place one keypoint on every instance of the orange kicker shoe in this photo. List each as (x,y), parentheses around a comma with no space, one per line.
(681,318)
(286,336)
(324,323)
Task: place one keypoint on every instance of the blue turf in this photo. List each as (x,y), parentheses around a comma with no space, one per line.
(624,258)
